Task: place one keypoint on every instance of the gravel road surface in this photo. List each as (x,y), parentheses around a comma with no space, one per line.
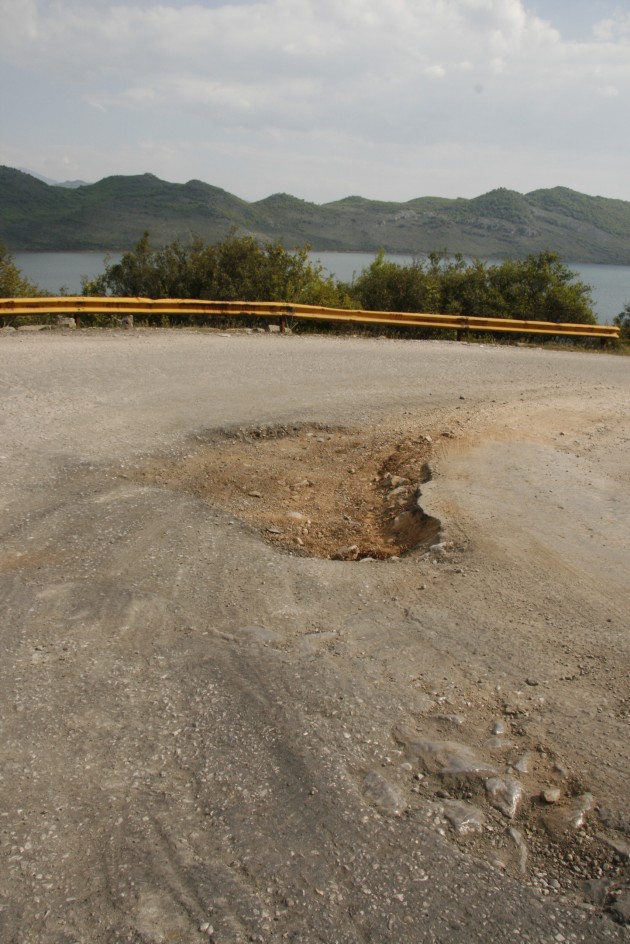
(214,730)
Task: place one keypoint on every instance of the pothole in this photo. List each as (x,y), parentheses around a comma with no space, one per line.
(314,490)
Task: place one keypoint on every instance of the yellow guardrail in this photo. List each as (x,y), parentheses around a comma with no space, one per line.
(173,307)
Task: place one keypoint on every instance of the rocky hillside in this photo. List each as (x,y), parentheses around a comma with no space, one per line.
(113,213)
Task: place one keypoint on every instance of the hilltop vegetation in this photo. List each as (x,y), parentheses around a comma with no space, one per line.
(113,213)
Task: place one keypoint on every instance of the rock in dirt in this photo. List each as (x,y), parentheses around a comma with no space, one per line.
(505,795)
(620,908)
(383,795)
(463,817)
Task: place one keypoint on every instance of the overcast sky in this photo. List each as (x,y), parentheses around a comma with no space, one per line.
(390,99)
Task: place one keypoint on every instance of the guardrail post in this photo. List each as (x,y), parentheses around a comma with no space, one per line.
(283,324)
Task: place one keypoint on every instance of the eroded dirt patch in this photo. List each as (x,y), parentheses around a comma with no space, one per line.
(317,491)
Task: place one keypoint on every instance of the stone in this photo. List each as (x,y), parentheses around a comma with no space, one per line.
(401,490)
(566,819)
(463,817)
(620,846)
(524,764)
(517,837)
(497,744)
(346,553)
(451,719)
(395,481)
(303,483)
(383,795)
(620,908)
(511,710)
(445,758)
(551,794)
(504,795)
(596,890)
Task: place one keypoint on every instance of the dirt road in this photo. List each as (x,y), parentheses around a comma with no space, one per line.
(312,639)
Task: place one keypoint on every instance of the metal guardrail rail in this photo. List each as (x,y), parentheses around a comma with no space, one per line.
(173,307)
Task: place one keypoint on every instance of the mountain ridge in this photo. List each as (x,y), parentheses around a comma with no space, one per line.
(113,213)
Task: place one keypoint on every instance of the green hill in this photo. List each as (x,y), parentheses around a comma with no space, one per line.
(113,213)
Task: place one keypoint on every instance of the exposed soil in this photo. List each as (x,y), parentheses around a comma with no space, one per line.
(315,490)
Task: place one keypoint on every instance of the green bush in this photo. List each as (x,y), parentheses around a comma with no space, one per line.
(622,320)
(237,269)
(539,288)
(12,282)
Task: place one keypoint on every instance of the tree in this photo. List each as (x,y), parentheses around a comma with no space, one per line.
(542,288)
(12,282)
(622,320)
(538,288)
(237,269)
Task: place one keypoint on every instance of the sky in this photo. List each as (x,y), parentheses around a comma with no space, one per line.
(388,99)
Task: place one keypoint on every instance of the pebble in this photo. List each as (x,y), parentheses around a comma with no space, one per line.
(451,719)
(510,710)
(346,553)
(551,794)
(401,490)
(530,680)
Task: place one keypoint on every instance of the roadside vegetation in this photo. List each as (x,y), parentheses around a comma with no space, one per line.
(12,282)
(538,288)
(622,320)
(238,268)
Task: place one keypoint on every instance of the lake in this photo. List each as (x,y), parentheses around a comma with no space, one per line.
(63,271)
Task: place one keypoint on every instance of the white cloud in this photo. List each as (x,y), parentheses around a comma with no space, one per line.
(475,76)
(613,28)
